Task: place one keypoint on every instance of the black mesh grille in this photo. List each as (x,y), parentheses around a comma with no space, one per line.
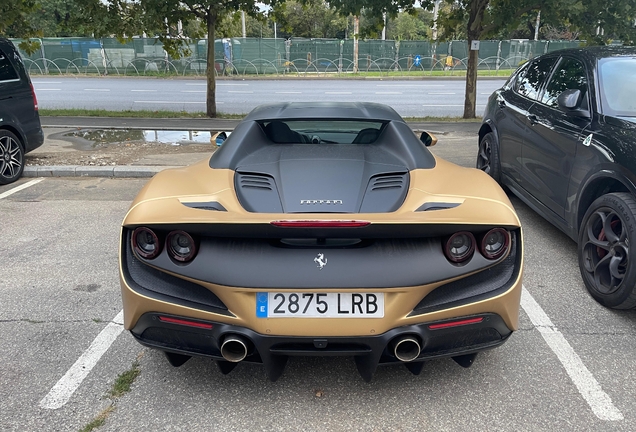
(487,283)
(162,286)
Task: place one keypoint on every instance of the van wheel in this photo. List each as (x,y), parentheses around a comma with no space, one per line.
(607,250)
(11,157)
(488,156)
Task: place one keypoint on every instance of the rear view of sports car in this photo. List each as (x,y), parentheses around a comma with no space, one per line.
(322,229)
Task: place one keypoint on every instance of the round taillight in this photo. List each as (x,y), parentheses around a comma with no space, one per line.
(460,246)
(495,243)
(145,243)
(181,246)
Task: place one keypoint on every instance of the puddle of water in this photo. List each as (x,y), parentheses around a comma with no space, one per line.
(92,138)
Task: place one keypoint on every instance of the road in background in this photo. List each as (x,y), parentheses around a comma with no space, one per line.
(410,98)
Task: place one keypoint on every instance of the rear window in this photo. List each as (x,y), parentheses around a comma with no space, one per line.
(322,131)
(7,71)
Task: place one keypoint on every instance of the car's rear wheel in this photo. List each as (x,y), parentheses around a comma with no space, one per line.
(607,250)
(488,156)
(11,157)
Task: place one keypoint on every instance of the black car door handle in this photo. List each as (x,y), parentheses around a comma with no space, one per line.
(532,119)
(501,102)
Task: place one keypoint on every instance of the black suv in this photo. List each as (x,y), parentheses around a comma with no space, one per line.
(20,129)
(561,135)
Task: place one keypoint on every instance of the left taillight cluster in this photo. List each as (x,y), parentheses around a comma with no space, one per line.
(461,246)
(180,245)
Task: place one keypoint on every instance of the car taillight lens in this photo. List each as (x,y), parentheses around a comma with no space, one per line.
(495,243)
(460,246)
(181,246)
(35,99)
(146,243)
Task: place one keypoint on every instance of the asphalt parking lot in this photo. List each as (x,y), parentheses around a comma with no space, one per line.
(571,365)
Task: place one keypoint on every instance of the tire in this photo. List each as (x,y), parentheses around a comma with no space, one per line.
(607,259)
(488,156)
(11,157)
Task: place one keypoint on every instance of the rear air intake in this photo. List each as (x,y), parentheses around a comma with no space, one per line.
(256,181)
(387,182)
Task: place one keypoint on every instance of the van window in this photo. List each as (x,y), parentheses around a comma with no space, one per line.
(7,71)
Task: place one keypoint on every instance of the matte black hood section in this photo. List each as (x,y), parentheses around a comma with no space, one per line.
(321,179)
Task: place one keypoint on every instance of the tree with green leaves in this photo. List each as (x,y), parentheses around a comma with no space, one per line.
(165,19)
(597,21)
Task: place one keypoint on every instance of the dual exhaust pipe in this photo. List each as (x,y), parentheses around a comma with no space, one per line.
(235,348)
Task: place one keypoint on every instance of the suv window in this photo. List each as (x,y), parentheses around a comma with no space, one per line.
(7,71)
(570,74)
(530,83)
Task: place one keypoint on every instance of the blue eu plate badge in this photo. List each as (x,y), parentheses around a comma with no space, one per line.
(261,305)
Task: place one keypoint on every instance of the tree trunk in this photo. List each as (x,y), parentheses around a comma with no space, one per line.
(475,27)
(356,30)
(210,100)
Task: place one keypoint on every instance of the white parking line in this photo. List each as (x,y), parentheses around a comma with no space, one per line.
(338,92)
(143,90)
(600,403)
(97,90)
(66,386)
(47,82)
(19,188)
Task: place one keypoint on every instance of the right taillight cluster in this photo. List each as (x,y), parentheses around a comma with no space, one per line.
(461,246)
(180,245)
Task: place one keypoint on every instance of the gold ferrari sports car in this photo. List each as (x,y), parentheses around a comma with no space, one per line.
(322,229)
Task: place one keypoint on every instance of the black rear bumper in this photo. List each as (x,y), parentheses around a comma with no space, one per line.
(273,351)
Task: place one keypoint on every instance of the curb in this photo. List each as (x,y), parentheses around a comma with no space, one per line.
(115,171)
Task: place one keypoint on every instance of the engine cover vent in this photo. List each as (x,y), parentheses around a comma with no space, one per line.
(258,181)
(387,182)
(385,192)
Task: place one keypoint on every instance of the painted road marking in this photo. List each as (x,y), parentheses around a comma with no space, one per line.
(227,84)
(97,90)
(441,93)
(47,82)
(429,105)
(240,91)
(19,188)
(66,386)
(193,91)
(409,85)
(170,102)
(600,403)
(143,90)
(388,93)
(338,93)
(288,92)
(45,89)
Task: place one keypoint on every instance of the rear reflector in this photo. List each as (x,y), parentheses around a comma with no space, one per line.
(35,99)
(320,223)
(185,322)
(455,323)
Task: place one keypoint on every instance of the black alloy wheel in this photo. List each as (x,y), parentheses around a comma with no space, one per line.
(488,156)
(606,260)
(11,157)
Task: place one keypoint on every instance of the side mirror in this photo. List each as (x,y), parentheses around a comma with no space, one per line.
(428,139)
(219,138)
(569,99)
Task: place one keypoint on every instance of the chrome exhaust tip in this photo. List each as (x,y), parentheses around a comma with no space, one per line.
(407,348)
(234,348)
